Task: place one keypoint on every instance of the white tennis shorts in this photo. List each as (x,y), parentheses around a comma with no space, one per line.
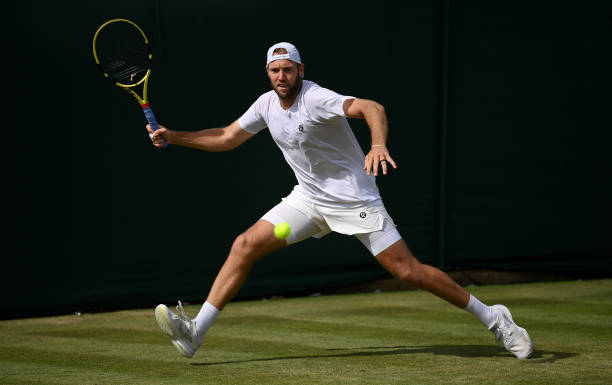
(371,225)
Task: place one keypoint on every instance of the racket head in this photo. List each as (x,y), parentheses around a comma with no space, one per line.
(121,50)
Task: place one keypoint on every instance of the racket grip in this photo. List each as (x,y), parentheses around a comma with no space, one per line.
(146,108)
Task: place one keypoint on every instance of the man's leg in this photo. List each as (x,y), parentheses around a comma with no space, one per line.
(399,261)
(187,335)
(248,247)
(256,242)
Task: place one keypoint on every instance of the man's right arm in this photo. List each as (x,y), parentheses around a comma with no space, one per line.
(212,139)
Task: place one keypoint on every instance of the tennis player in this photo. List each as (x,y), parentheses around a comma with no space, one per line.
(336,191)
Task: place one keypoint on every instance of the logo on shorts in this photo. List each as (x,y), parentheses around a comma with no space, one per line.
(301,128)
(362,214)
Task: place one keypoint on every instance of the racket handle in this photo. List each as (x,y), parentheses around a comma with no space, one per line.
(146,108)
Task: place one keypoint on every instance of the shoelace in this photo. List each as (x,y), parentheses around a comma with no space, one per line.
(189,323)
(499,335)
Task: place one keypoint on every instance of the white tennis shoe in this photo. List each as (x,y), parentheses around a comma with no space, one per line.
(515,338)
(180,328)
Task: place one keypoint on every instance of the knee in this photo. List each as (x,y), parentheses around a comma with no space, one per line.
(243,248)
(411,274)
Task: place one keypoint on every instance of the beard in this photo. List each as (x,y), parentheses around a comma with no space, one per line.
(292,89)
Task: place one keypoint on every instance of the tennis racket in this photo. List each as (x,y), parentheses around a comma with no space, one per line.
(121,50)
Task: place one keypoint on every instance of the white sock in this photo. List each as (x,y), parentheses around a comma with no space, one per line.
(484,313)
(205,318)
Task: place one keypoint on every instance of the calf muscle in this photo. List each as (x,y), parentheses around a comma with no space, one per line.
(399,261)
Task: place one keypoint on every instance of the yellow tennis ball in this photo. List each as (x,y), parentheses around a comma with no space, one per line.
(282,230)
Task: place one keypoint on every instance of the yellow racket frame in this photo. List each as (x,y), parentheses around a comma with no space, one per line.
(145,78)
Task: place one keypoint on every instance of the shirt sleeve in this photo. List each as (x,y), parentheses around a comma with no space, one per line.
(326,104)
(253,120)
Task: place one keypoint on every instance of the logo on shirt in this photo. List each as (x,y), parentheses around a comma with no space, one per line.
(362,214)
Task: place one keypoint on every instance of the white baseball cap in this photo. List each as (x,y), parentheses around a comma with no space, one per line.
(292,53)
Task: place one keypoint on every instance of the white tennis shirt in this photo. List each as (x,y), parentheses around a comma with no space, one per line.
(319,145)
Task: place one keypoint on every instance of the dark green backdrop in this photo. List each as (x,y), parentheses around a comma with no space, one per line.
(499,117)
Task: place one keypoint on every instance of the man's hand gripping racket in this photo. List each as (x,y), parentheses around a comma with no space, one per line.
(121,50)
(158,137)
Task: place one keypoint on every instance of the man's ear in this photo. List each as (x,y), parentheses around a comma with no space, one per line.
(302,70)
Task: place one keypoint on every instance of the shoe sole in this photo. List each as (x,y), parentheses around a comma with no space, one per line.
(182,349)
(161,316)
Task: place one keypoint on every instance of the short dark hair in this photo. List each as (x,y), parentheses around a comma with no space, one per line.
(279,51)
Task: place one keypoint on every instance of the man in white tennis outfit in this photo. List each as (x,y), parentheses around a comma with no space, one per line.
(336,191)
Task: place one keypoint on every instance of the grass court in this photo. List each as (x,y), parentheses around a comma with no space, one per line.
(407,337)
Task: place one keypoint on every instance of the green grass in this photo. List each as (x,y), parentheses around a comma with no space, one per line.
(386,338)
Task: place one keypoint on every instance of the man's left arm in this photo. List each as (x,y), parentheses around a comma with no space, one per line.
(376,118)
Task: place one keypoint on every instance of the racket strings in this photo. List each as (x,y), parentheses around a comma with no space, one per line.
(129,75)
(123,53)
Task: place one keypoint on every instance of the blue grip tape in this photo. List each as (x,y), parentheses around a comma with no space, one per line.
(146,108)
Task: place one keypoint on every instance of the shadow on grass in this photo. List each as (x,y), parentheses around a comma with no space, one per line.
(466,351)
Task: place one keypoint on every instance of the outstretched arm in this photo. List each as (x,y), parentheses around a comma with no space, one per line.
(212,139)
(375,116)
